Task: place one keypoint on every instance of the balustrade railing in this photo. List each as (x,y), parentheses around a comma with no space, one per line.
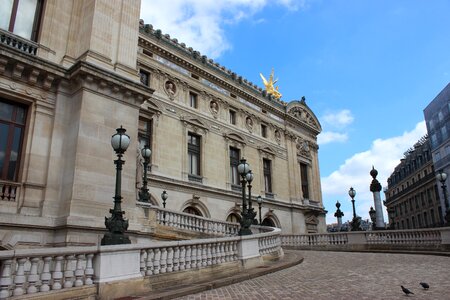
(38,270)
(31,271)
(179,256)
(9,191)
(9,39)
(426,239)
(195,223)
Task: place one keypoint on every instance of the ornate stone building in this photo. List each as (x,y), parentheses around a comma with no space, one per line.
(79,70)
(412,198)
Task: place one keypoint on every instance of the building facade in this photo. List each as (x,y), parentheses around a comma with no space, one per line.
(412,198)
(437,118)
(74,71)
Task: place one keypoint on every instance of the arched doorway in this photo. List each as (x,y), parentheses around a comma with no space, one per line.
(193,211)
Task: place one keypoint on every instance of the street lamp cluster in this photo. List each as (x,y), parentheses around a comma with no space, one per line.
(247,214)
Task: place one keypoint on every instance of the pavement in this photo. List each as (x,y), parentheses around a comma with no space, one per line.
(329,275)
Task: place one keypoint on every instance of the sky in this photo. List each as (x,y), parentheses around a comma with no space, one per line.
(366,68)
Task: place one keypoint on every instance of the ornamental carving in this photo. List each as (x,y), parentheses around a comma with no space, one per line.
(249,123)
(214,107)
(170,88)
(303,115)
(303,148)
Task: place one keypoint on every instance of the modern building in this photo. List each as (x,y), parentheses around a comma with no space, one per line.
(437,118)
(412,199)
(71,72)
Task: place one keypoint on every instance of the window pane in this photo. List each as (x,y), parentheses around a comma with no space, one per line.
(3,141)
(25,18)
(5,13)
(6,111)
(14,157)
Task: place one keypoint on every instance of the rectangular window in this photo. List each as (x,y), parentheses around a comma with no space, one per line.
(234,162)
(267,175)
(304,178)
(193,100)
(232,117)
(12,127)
(263,130)
(145,77)
(21,17)
(145,133)
(194,154)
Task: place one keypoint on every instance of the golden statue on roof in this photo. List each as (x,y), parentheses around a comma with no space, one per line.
(270,89)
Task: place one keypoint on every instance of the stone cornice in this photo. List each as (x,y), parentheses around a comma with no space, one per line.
(134,91)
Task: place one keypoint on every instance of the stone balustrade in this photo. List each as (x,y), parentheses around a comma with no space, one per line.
(185,221)
(30,271)
(434,239)
(9,39)
(58,270)
(9,191)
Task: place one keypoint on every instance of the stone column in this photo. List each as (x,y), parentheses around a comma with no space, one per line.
(375,188)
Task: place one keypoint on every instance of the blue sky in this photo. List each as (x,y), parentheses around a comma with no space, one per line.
(366,68)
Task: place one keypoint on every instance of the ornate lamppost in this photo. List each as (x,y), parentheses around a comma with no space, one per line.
(259,200)
(373,217)
(356,222)
(247,215)
(249,178)
(116,224)
(164,197)
(442,176)
(144,195)
(339,214)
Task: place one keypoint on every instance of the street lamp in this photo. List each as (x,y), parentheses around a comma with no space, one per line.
(259,200)
(355,222)
(247,214)
(339,214)
(116,224)
(442,176)
(373,217)
(164,197)
(144,195)
(249,178)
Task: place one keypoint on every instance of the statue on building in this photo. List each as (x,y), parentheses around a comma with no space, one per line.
(170,88)
(270,88)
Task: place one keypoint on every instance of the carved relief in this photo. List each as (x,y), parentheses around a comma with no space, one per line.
(214,107)
(303,115)
(303,148)
(170,89)
(278,136)
(249,124)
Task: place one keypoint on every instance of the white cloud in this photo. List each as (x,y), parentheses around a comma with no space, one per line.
(330,137)
(199,23)
(384,154)
(339,119)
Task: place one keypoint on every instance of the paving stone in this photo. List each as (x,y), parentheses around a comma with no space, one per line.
(345,275)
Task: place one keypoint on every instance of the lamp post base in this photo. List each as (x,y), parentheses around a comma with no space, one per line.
(356,224)
(246,221)
(115,239)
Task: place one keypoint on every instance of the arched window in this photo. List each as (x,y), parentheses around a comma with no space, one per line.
(234,218)
(193,211)
(268,222)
